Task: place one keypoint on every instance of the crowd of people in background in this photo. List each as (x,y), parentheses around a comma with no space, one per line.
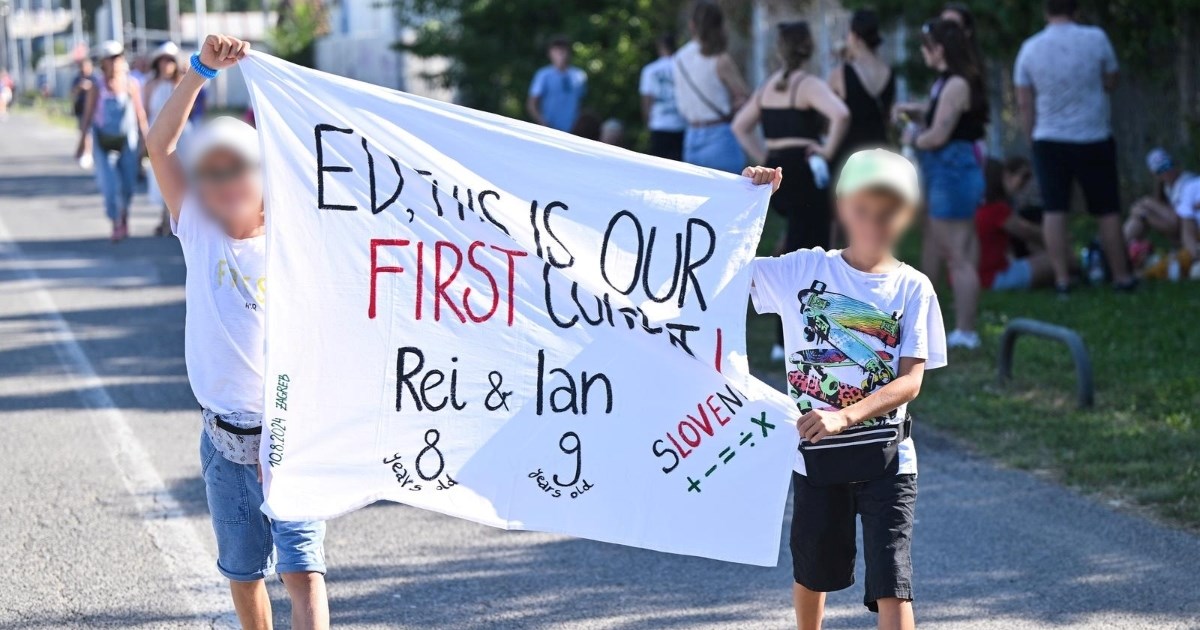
(991,224)
(114,101)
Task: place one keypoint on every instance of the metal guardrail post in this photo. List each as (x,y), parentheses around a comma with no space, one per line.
(1084,385)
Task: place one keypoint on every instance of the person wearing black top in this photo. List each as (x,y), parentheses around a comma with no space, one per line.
(867,84)
(952,174)
(796,109)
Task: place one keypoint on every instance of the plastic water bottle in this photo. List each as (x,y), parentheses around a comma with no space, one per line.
(911,129)
(820,170)
(1174,272)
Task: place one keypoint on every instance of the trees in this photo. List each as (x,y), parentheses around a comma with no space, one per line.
(495,46)
(295,35)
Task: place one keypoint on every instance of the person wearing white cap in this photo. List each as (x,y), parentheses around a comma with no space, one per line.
(1173,211)
(862,328)
(213,192)
(166,73)
(115,119)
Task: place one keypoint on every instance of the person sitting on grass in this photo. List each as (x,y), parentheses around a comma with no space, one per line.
(999,228)
(862,328)
(1173,212)
(1024,197)
(215,199)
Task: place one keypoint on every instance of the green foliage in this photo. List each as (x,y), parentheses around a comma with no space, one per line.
(495,46)
(294,38)
(1142,32)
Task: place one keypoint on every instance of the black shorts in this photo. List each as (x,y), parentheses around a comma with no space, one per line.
(1093,164)
(823,528)
(667,144)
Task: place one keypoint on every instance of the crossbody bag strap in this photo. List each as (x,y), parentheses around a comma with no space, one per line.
(687,78)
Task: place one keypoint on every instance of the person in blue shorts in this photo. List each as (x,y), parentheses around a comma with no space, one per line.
(214,195)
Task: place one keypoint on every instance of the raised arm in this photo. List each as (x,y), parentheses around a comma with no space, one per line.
(823,99)
(218,52)
(745,124)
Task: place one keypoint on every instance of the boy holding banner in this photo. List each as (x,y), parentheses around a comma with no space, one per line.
(862,328)
(215,200)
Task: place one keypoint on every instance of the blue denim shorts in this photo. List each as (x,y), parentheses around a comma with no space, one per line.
(1019,275)
(953,181)
(251,546)
(713,146)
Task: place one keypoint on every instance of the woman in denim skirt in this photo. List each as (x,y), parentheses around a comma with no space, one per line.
(953,178)
(709,89)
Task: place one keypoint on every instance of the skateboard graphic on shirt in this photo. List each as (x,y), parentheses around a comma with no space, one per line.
(833,318)
(844,330)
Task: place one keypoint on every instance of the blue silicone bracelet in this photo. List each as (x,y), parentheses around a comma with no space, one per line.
(201,69)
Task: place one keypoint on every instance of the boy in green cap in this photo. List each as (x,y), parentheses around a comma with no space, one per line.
(860,329)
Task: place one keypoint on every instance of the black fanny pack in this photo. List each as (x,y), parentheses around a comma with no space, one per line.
(857,454)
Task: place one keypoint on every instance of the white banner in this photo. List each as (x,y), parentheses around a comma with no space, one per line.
(508,324)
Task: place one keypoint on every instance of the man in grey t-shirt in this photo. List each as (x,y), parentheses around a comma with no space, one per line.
(1064,75)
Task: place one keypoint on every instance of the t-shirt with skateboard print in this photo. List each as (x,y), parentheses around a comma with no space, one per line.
(845,330)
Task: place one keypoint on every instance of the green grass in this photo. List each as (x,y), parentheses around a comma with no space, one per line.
(1141,442)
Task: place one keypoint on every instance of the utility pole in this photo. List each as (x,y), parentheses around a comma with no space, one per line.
(173,21)
(76,23)
(28,76)
(127,35)
(140,10)
(5,10)
(48,51)
(117,20)
(201,18)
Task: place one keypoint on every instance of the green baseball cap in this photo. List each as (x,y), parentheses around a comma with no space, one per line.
(880,168)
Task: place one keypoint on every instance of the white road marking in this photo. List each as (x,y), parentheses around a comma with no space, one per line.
(184,557)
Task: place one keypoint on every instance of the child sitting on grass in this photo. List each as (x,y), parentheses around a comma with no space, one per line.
(214,195)
(1003,232)
(861,327)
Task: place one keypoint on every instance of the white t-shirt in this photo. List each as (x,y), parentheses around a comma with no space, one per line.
(226,297)
(658,82)
(1185,196)
(844,330)
(1065,65)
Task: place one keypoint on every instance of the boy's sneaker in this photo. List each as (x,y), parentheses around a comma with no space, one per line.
(777,353)
(968,340)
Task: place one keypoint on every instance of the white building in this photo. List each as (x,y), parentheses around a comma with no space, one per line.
(360,43)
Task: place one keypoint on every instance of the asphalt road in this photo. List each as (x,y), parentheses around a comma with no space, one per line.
(104,519)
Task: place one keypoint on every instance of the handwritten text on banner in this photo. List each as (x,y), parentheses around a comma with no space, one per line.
(504,323)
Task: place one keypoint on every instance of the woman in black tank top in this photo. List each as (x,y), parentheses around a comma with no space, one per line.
(870,103)
(795,110)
